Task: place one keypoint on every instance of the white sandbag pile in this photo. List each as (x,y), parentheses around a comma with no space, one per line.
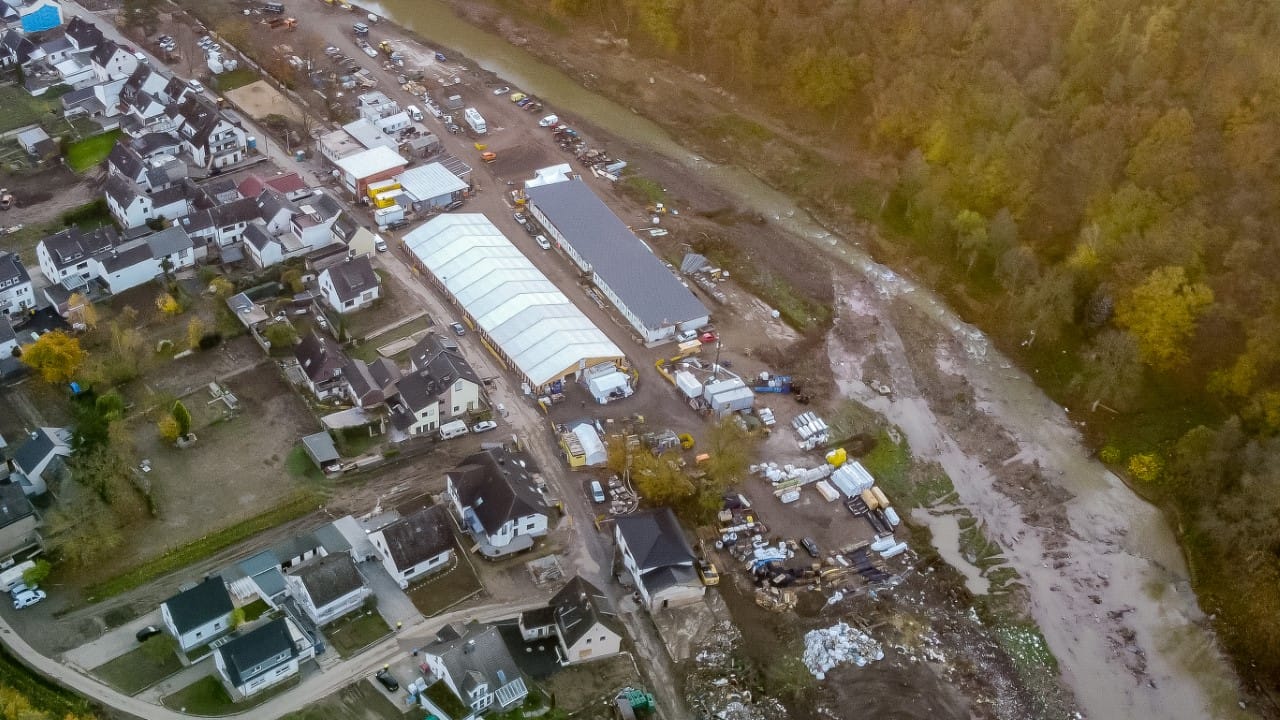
(826,648)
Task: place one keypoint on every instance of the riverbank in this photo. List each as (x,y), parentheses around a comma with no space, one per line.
(1156,550)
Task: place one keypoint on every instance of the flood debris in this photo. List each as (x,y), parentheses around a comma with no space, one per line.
(826,648)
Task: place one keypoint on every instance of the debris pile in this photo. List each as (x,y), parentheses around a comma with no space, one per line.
(715,686)
(828,647)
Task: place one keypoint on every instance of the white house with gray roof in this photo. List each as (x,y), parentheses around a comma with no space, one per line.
(648,294)
(581,618)
(200,614)
(474,662)
(140,261)
(260,658)
(41,458)
(16,293)
(328,588)
(416,545)
(64,256)
(351,285)
(498,497)
(658,559)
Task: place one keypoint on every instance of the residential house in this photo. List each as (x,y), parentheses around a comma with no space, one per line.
(477,666)
(221,225)
(262,575)
(198,615)
(263,249)
(15,48)
(125,162)
(312,222)
(157,146)
(258,659)
(222,190)
(415,408)
(208,136)
(658,559)
(41,459)
(36,142)
(321,360)
(581,618)
(112,61)
(441,360)
(370,384)
(142,260)
(349,232)
(351,285)
(64,256)
(291,185)
(415,545)
(498,498)
(19,524)
(57,49)
(328,588)
(84,35)
(16,294)
(275,210)
(132,207)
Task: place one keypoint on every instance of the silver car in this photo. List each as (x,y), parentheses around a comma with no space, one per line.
(27,599)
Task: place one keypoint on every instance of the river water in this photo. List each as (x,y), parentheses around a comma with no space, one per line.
(1186,652)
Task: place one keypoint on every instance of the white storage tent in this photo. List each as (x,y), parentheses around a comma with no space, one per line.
(524,317)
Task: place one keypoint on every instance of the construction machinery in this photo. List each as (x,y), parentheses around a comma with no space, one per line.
(282,23)
(630,701)
(385,47)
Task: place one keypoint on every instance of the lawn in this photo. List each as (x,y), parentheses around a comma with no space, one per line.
(239,77)
(356,632)
(181,557)
(440,592)
(367,350)
(255,610)
(445,699)
(18,107)
(360,701)
(87,153)
(142,667)
(207,696)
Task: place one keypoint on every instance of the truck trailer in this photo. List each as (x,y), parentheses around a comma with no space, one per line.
(475,120)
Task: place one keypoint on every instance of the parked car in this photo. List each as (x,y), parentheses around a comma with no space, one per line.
(686,336)
(19,588)
(195,85)
(440,57)
(810,547)
(458,329)
(517,97)
(708,573)
(522,219)
(27,599)
(709,337)
(597,492)
(502,90)
(548,121)
(147,633)
(523,101)
(484,426)
(387,681)
(542,242)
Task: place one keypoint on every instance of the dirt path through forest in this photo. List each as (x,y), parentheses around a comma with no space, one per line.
(1107,585)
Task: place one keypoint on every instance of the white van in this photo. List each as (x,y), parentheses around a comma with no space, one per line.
(11,578)
(597,492)
(414,113)
(457,428)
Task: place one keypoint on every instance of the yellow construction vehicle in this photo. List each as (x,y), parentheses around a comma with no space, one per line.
(385,47)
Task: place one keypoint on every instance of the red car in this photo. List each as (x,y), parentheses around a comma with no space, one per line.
(708,337)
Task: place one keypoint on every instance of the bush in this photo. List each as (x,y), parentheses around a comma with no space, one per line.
(182,417)
(36,575)
(1146,467)
(281,335)
(96,211)
(208,341)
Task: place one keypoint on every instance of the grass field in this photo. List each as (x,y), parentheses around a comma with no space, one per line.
(41,693)
(441,592)
(239,77)
(87,153)
(142,667)
(192,552)
(207,696)
(356,632)
(18,108)
(360,701)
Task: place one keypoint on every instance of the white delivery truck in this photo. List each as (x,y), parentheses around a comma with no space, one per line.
(457,428)
(475,120)
(11,577)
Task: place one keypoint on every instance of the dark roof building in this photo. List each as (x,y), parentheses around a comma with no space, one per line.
(351,279)
(73,246)
(14,504)
(12,271)
(474,660)
(83,34)
(648,294)
(498,487)
(329,578)
(580,606)
(419,537)
(320,357)
(655,539)
(256,653)
(200,605)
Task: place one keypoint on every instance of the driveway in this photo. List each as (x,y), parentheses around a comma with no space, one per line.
(393,604)
(111,645)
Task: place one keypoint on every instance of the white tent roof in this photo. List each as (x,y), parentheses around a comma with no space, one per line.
(592,446)
(601,385)
(534,324)
(429,181)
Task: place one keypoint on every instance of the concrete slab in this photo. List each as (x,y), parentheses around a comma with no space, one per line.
(682,628)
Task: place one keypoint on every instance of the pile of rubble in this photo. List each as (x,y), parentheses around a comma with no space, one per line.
(715,687)
(826,648)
